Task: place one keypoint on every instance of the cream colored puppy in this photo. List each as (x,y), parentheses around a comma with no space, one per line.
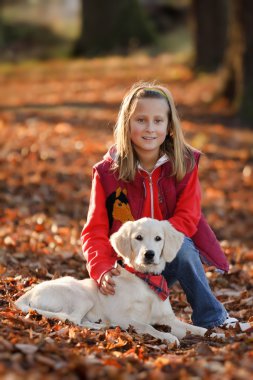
(145,245)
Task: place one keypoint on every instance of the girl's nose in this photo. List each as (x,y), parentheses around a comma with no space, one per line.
(150,126)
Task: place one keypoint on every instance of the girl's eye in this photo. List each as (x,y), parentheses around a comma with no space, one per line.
(158,121)
(139,237)
(158,238)
(140,120)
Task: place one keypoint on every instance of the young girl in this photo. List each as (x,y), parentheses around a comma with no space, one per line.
(152,172)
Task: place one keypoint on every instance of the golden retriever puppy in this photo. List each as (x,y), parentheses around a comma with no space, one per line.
(145,246)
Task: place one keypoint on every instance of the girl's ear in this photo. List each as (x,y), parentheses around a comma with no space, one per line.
(172,242)
(121,240)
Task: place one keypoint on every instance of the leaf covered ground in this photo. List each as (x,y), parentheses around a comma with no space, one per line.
(56,121)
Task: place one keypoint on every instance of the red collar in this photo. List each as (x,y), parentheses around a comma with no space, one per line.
(156,282)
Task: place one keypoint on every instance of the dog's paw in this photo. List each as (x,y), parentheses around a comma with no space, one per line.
(176,343)
(172,339)
(217,336)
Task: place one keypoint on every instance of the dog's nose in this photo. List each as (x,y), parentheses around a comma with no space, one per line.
(149,255)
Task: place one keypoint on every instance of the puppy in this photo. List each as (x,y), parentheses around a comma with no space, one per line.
(145,246)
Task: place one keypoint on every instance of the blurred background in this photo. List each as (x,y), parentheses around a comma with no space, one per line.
(207,35)
(65,66)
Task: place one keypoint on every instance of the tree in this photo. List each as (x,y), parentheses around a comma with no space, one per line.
(238,63)
(210,30)
(224,38)
(2,32)
(110,25)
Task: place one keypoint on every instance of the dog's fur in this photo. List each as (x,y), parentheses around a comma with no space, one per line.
(133,303)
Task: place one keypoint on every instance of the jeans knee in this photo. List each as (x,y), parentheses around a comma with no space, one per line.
(187,255)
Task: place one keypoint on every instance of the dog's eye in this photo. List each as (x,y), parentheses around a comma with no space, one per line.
(158,238)
(139,237)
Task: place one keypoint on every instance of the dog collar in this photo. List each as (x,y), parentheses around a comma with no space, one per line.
(156,282)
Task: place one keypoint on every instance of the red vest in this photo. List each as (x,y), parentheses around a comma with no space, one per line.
(169,191)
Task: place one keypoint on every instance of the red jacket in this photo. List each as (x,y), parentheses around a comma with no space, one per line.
(156,195)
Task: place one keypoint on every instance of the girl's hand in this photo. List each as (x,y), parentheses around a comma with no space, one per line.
(107,285)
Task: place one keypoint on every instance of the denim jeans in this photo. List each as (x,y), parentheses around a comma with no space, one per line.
(187,268)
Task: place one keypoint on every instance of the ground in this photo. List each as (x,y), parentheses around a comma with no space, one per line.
(56,121)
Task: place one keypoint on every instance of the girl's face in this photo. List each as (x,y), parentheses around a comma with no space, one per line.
(149,125)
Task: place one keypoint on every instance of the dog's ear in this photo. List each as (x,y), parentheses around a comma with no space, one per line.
(121,241)
(173,241)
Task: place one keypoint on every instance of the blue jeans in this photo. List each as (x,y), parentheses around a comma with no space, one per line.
(187,268)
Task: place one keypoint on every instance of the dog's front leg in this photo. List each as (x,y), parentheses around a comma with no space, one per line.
(144,328)
(93,325)
(180,329)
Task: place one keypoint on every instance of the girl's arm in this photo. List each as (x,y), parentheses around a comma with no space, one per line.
(188,209)
(96,246)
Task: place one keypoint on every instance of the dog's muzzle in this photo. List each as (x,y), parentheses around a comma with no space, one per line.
(149,257)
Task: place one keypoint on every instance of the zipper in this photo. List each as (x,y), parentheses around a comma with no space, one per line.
(151,196)
(151,185)
(145,190)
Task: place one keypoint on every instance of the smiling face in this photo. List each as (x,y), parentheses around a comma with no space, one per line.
(149,126)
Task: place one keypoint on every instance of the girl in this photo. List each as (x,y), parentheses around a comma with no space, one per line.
(151,171)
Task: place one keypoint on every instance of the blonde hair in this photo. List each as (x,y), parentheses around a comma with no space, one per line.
(179,152)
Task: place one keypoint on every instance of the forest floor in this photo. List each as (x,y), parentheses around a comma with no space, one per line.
(56,121)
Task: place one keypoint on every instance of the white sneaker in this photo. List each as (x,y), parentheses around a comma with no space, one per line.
(230,322)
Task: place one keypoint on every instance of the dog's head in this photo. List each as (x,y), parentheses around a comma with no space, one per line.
(147,244)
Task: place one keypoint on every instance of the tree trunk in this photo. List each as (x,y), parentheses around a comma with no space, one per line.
(210,33)
(246,106)
(238,67)
(2,32)
(110,25)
